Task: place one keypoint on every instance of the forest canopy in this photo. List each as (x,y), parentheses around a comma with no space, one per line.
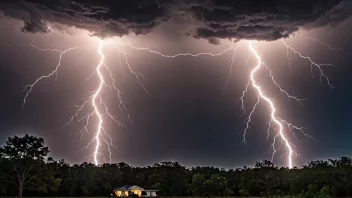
(26,169)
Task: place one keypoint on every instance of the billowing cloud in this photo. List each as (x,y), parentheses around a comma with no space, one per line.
(262,19)
(102,18)
(210,19)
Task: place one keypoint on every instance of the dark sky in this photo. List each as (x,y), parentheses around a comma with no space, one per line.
(187,117)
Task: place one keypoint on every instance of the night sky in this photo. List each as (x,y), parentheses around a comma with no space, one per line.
(187,117)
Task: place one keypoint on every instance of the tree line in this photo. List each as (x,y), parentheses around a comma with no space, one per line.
(26,169)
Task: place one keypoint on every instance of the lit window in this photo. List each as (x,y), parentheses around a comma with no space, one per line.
(118,193)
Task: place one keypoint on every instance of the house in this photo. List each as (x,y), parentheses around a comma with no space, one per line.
(133,190)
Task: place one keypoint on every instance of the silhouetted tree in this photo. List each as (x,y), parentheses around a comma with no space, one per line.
(25,168)
(197,185)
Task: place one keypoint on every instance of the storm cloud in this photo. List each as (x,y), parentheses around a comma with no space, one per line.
(211,19)
(104,18)
(263,20)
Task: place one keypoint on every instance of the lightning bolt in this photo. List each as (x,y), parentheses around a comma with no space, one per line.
(179,54)
(28,88)
(96,99)
(325,44)
(230,70)
(281,126)
(270,103)
(95,106)
(279,123)
(312,63)
(100,109)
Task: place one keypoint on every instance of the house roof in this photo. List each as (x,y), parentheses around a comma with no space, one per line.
(128,187)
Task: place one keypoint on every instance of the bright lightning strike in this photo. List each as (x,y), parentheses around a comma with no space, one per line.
(95,101)
(282,126)
(94,104)
(95,98)
(253,82)
(270,103)
(100,109)
(280,123)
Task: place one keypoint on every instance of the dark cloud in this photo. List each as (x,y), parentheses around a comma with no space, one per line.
(264,19)
(214,41)
(335,16)
(210,19)
(102,18)
(35,26)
